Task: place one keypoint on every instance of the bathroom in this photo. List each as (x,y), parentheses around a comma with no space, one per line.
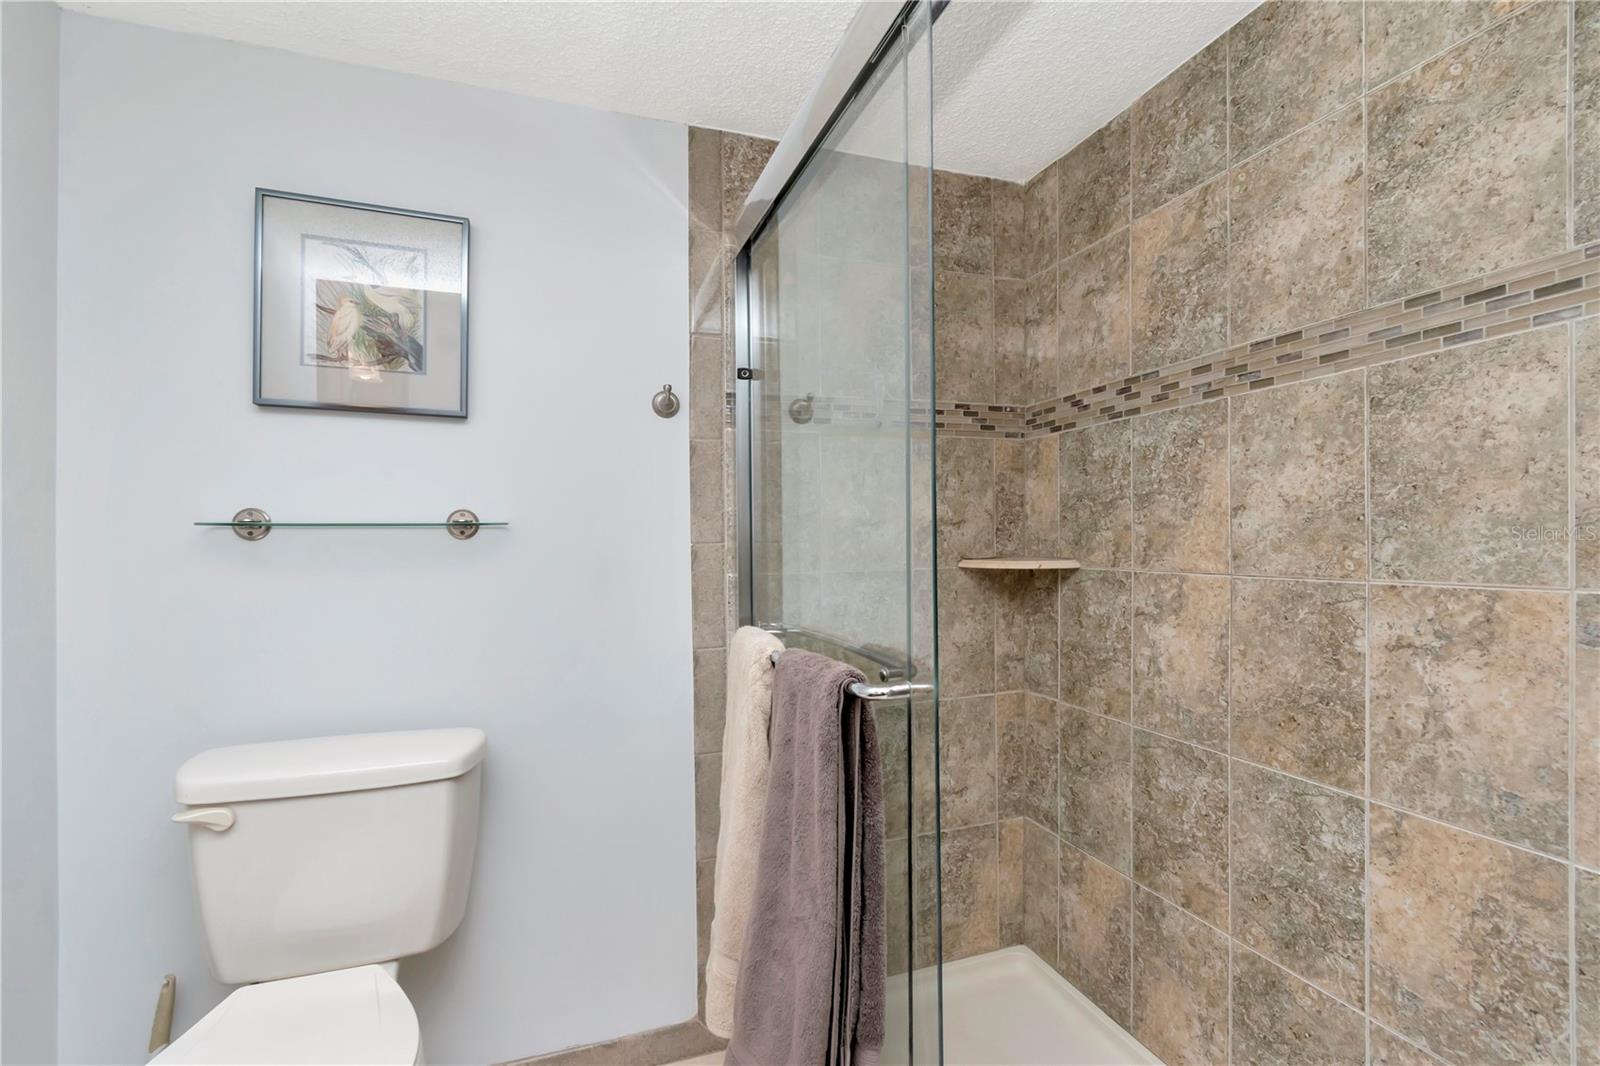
(1184,416)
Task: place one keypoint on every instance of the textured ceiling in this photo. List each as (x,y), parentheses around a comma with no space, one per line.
(1016,84)
(735,66)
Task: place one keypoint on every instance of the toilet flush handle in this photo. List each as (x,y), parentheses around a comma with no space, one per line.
(216,819)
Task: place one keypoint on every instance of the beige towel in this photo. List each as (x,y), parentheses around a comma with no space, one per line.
(745,758)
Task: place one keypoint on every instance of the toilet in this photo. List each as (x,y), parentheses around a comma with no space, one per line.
(318,864)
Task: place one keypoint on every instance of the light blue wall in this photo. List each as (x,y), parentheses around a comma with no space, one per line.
(29,36)
(566,637)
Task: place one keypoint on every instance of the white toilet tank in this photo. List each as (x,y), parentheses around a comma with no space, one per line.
(315,855)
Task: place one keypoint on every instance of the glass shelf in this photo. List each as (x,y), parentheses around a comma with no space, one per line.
(254,524)
(275,524)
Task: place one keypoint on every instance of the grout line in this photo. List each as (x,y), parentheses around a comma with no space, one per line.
(1407,811)
(1569,101)
(1474,35)
(1366,706)
(1379,582)
(1573,1005)
(1315,987)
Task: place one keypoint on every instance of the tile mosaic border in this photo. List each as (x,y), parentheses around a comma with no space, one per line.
(1554,288)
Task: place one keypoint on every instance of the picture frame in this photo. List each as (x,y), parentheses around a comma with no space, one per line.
(359,307)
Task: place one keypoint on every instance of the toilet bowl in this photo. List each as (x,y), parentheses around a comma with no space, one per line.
(317,865)
(349,1016)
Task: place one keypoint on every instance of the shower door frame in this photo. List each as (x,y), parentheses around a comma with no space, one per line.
(872,37)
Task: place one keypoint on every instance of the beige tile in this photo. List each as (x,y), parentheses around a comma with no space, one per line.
(1096,932)
(704,904)
(1094,306)
(1468,943)
(1290,63)
(1180,985)
(1039,220)
(858,206)
(1014,377)
(1010,496)
(1095,180)
(1468,463)
(1180,824)
(923,740)
(1010,233)
(924,853)
(963,223)
(710,698)
(1467,158)
(705,491)
(707,388)
(898,905)
(707,804)
(1096,768)
(705,177)
(965,497)
(1179,129)
(1298,494)
(1278,1018)
(1180,656)
(1586,448)
(1297,236)
(1043,363)
(968,891)
(1096,616)
(1390,1050)
(1298,669)
(1096,499)
(894,755)
(706,275)
(966,633)
(1469,709)
(860,307)
(1586,736)
(1588,989)
(1010,890)
(742,161)
(1586,123)
(1026,642)
(1027,737)
(1403,33)
(964,360)
(1041,499)
(862,522)
(708,596)
(1299,876)
(1180,279)
(967,773)
(1029,856)
(1180,489)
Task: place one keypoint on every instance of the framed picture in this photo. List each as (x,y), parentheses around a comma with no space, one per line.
(359,307)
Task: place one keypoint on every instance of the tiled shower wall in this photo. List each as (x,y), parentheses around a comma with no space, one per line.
(722,169)
(1304,765)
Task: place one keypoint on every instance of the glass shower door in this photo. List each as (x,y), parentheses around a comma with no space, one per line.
(836,368)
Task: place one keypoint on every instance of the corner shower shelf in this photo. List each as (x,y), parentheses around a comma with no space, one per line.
(1014,564)
(253,524)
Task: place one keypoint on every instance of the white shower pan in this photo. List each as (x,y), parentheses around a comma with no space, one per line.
(1009,1008)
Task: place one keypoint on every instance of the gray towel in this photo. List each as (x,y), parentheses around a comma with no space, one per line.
(812,978)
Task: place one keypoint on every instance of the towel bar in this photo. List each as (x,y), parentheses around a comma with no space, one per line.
(889,669)
(903,690)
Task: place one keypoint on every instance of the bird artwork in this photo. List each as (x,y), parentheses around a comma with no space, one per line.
(369,327)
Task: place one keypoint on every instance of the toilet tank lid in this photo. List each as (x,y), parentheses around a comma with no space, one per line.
(318,766)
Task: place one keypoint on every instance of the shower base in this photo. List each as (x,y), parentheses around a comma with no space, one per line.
(1010,1007)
